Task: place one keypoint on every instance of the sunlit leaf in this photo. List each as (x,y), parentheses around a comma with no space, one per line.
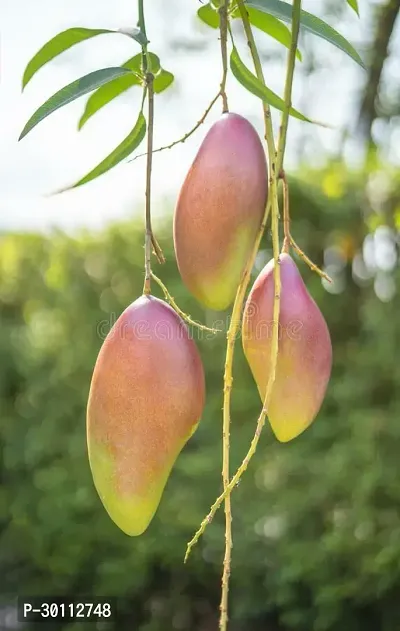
(209,16)
(57,45)
(111,90)
(354,5)
(106,93)
(124,149)
(310,22)
(134,33)
(270,25)
(71,92)
(253,85)
(162,81)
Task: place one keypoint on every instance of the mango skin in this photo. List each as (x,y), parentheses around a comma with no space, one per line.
(146,399)
(305,349)
(219,211)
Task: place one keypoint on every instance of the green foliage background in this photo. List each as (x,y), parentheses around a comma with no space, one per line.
(316,521)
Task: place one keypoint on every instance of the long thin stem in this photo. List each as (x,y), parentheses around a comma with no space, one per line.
(148,229)
(286,216)
(184,316)
(289,241)
(223,29)
(288,84)
(223,622)
(275,238)
(188,134)
(150,240)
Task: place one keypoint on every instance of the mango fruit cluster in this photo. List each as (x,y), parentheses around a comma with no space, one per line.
(148,389)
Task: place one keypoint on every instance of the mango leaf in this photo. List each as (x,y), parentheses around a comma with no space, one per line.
(162,81)
(354,5)
(60,43)
(310,22)
(253,85)
(134,33)
(270,25)
(71,92)
(111,90)
(209,16)
(124,149)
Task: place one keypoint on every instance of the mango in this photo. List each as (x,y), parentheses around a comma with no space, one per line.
(146,399)
(219,211)
(305,351)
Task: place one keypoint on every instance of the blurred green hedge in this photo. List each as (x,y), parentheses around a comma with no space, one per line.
(316,521)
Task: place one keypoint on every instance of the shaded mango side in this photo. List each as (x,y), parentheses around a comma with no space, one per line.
(219,210)
(146,399)
(305,350)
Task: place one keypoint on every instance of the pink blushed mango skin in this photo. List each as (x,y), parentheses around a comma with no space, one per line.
(146,399)
(219,211)
(305,351)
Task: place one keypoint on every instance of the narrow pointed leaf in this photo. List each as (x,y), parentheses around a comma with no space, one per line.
(57,45)
(162,81)
(253,85)
(310,22)
(136,34)
(354,5)
(124,149)
(271,25)
(209,16)
(106,93)
(71,92)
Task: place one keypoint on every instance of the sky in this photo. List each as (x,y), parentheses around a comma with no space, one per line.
(55,154)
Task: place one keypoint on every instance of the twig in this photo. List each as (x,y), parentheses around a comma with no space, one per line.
(223,622)
(149,232)
(223,29)
(150,240)
(183,315)
(289,241)
(187,135)
(288,85)
(277,284)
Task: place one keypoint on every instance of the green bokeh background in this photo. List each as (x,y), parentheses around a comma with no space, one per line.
(316,522)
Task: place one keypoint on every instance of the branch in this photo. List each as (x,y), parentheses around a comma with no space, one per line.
(226,421)
(379,52)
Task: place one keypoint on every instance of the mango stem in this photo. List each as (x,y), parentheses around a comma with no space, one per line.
(179,311)
(289,241)
(223,622)
(188,134)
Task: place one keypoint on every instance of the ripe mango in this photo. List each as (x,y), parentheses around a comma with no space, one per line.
(146,399)
(305,351)
(219,210)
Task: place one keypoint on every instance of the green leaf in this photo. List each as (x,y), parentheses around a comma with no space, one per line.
(106,93)
(253,85)
(71,92)
(270,25)
(209,16)
(111,90)
(136,34)
(354,5)
(60,43)
(162,81)
(310,22)
(124,149)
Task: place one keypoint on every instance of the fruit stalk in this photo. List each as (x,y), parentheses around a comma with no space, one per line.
(237,308)
(223,29)
(288,85)
(223,622)
(148,230)
(150,240)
